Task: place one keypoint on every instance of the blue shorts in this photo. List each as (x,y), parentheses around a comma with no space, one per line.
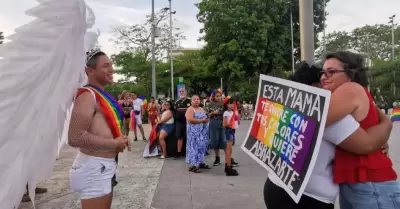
(229,134)
(167,127)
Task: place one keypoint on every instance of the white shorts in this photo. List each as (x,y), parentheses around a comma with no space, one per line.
(91,176)
(138,119)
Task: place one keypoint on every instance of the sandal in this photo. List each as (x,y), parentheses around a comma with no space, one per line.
(204,166)
(194,169)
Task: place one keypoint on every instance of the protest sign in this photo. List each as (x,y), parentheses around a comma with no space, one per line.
(286,131)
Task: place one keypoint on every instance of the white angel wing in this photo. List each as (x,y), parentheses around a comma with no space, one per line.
(64,137)
(41,70)
(91,40)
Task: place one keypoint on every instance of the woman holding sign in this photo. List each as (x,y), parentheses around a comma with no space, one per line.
(321,192)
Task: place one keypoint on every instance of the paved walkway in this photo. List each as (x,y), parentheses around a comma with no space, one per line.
(180,189)
(136,175)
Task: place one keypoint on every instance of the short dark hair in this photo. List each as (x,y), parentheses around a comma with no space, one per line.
(92,62)
(307,74)
(353,65)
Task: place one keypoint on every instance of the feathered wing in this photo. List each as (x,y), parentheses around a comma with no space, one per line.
(42,66)
(64,137)
(91,39)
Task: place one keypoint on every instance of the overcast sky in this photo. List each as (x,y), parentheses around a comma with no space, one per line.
(343,15)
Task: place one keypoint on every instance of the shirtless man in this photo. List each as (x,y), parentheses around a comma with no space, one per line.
(91,132)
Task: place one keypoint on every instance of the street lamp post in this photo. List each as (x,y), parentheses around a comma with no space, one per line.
(306,9)
(170,50)
(153,52)
(291,34)
(392,22)
(393,53)
(324,31)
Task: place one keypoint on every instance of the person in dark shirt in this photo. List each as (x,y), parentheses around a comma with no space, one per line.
(181,106)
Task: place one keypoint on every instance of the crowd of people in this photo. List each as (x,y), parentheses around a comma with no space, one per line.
(352,161)
(188,127)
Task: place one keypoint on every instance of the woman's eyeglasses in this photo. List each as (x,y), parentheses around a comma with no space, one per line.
(330,72)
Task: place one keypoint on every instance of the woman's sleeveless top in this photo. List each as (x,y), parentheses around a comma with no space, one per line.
(127,107)
(170,121)
(197,127)
(374,167)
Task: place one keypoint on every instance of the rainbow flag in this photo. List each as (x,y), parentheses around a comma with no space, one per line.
(235,116)
(226,99)
(112,111)
(153,139)
(145,104)
(395,115)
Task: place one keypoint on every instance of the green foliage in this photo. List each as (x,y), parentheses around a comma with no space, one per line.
(336,41)
(248,92)
(116,89)
(189,65)
(384,75)
(373,40)
(247,37)
(136,71)
(243,37)
(132,65)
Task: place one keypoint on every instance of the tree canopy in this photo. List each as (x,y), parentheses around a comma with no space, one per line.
(248,37)
(243,37)
(384,75)
(189,65)
(375,41)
